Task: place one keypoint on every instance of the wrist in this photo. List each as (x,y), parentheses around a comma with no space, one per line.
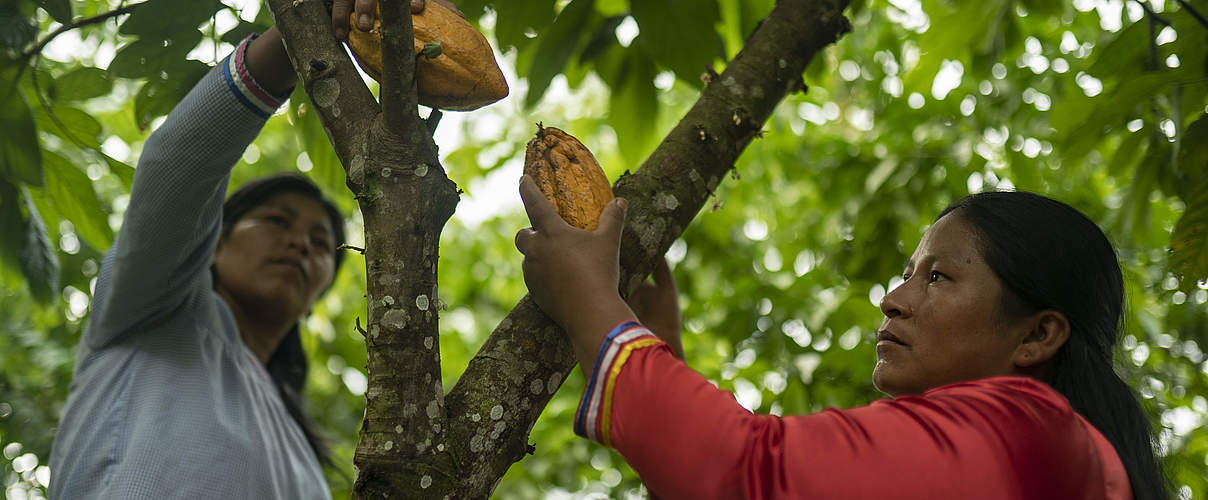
(269,63)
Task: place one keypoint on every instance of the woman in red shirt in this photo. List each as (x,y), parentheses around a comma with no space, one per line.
(996,351)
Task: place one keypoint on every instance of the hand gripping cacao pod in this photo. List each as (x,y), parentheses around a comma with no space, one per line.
(567,173)
(463,77)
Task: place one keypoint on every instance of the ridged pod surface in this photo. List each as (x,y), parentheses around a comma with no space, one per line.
(568,174)
(463,77)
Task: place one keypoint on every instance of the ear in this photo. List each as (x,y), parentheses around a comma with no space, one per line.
(1049,331)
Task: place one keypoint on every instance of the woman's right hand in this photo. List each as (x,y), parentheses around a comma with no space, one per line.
(367,12)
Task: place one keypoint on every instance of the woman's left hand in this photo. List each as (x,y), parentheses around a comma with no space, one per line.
(657,306)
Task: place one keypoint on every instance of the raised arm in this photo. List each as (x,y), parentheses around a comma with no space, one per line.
(162,254)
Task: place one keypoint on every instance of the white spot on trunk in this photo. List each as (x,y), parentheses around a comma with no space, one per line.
(476,444)
(387,300)
(409,409)
(474,417)
(325,92)
(554,380)
(496,412)
(425,481)
(433,409)
(421,170)
(782,63)
(665,201)
(389,445)
(428,342)
(398,429)
(422,302)
(386,172)
(536,387)
(395,319)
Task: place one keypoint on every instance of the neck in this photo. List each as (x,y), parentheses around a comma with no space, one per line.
(260,333)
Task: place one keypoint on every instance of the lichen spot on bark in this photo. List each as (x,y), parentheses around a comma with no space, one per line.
(398,429)
(433,409)
(554,381)
(421,170)
(409,409)
(733,86)
(536,387)
(325,92)
(389,445)
(782,63)
(476,444)
(427,342)
(496,412)
(665,201)
(395,319)
(474,417)
(387,301)
(425,482)
(422,302)
(386,172)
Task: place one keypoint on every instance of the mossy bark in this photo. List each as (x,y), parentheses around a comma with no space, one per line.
(416,442)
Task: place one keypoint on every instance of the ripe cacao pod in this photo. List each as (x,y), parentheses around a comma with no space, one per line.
(567,173)
(463,77)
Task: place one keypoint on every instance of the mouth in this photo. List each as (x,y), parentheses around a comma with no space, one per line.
(293,264)
(884,336)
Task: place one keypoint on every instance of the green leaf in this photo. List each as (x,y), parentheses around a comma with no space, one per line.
(20,150)
(166,19)
(633,109)
(157,97)
(604,37)
(1189,242)
(72,124)
(73,197)
(555,47)
(940,42)
(679,35)
(1193,157)
(12,227)
(16,30)
(39,263)
(60,10)
(517,21)
(82,83)
(124,172)
(149,58)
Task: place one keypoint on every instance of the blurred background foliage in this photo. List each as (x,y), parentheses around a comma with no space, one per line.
(1099,103)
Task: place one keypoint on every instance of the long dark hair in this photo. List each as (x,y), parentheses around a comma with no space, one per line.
(287,365)
(1051,256)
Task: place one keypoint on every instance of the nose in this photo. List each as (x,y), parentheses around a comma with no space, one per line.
(299,240)
(894,305)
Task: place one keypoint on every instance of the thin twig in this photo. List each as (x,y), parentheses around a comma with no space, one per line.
(82,22)
(1191,10)
(346,246)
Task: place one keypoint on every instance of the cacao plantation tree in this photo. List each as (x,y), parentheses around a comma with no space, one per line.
(811,201)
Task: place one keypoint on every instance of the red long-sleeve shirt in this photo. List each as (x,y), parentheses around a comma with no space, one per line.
(996,438)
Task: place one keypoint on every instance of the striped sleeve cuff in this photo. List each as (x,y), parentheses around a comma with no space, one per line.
(595,409)
(234,72)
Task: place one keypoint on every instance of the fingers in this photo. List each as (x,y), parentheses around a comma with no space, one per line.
(524,239)
(366,12)
(340,11)
(612,219)
(541,212)
(417,6)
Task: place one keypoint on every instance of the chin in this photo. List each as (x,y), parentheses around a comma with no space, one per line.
(893,386)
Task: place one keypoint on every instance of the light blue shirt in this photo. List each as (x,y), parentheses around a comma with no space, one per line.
(166,401)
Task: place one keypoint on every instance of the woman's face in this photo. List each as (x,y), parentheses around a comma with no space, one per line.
(278,257)
(944,324)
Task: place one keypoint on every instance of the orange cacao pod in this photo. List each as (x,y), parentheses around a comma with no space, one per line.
(464,76)
(567,173)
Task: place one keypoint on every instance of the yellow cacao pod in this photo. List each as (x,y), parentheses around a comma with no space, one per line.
(567,173)
(463,77)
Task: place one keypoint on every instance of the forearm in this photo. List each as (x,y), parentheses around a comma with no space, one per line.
(269,64)
(587,330)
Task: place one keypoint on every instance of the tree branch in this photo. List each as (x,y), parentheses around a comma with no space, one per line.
(527,357)
(399,98)
(80,23)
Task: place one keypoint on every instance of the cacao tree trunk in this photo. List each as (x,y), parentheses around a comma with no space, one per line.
(416,442)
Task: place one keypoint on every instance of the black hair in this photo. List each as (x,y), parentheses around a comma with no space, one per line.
(287,366)
(1049,255)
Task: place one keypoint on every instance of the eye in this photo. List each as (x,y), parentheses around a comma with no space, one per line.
(937,276)
(320,243)
(277,219)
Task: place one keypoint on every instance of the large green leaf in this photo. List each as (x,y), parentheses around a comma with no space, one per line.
(685,44)
(1189,242)
(16,30)
(149,57)
(158,96)
(39,262)
(634,108)
(165,19)
(71,191)
(517,22)
(555,47)
(60,10)
(1193,156)
(81,83)
(72,124)
(20,150)
(12,227)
